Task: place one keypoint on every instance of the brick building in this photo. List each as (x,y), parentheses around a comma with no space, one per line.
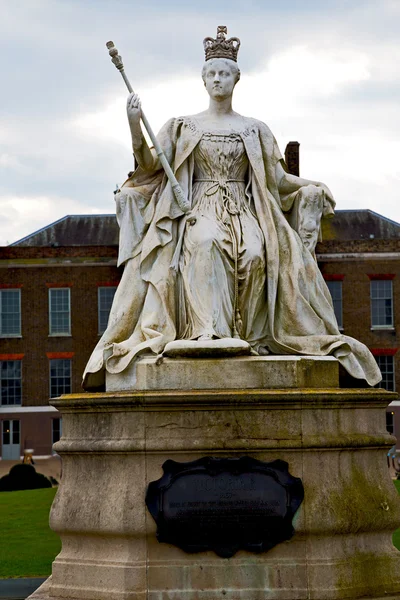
(360,261)
(55,296)
(56,292)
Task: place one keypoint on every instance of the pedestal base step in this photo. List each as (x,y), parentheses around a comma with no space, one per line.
(240,372)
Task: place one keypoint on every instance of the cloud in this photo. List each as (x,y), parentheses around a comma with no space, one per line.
(269,90)
(338,149)
(22,215)
(10,161)
(325,74)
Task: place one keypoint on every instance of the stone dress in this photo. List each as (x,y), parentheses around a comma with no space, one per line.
(231,267)
(222,263)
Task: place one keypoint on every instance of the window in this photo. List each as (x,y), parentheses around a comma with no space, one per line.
(386,365)
(60,314)
(390,422)
(15,431)
(381,303)
(10,311)
(60,377)
(6,433)
(56,430)
(11,432)
(335,288)
(105,299)
(11,385)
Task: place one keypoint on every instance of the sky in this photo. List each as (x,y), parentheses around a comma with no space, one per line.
(325,74)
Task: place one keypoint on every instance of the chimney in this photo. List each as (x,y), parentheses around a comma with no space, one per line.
(292,158)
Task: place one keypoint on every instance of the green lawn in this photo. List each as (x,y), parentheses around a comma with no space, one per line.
(28,546)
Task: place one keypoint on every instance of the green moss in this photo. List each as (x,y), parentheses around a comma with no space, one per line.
(355,499)
(360,570)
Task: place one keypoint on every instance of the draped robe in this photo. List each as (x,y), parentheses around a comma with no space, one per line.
(144,315)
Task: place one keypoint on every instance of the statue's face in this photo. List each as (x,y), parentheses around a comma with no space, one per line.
(219,78)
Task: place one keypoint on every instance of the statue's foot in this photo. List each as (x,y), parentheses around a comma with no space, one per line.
(206,337)
(258,350)
(263,351)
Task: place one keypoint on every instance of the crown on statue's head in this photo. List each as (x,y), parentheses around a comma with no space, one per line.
(221,47)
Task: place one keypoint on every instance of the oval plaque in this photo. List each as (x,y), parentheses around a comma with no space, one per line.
(224,504)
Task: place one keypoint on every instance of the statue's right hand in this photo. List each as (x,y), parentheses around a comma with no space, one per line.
(133,109)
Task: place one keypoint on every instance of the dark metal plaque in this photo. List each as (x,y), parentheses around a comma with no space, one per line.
(224,504)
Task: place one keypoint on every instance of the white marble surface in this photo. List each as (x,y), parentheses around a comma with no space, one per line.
(206,348)
(240,264)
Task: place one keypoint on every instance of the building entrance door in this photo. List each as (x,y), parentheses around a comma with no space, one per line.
(11,434)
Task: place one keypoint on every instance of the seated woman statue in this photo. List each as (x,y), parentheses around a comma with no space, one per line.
(240,264)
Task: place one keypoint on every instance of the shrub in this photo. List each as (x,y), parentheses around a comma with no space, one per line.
(23,477)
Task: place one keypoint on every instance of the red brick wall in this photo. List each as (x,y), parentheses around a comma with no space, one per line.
(84,280)
(357,308)
(35,341)
(356,299)
(35,431)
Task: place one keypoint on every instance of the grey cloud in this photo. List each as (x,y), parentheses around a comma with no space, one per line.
(55,67)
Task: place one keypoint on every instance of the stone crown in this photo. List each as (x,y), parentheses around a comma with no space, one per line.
(221,47)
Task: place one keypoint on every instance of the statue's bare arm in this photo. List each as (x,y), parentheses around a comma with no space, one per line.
(288,183)
(144,156)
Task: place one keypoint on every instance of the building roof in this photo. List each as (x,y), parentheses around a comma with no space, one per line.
(102,230)
(349,225)
(75,230)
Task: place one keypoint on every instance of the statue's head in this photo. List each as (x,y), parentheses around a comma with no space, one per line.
(220,71)
(220,75)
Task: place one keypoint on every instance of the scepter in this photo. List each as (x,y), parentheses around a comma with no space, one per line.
(176,188)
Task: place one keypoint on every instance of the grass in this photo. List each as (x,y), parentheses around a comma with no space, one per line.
(28,546)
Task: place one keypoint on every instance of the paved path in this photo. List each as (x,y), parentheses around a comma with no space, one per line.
(19,589)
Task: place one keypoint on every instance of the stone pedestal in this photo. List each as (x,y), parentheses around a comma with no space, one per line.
(115,443)
(240,373)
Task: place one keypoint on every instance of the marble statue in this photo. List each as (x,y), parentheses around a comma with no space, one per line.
(238,270)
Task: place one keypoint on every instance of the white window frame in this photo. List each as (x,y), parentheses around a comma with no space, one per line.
(377,326)
(20,365)
(10,335)
(54,333)
(103,287)
(328,282)
(70,377)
